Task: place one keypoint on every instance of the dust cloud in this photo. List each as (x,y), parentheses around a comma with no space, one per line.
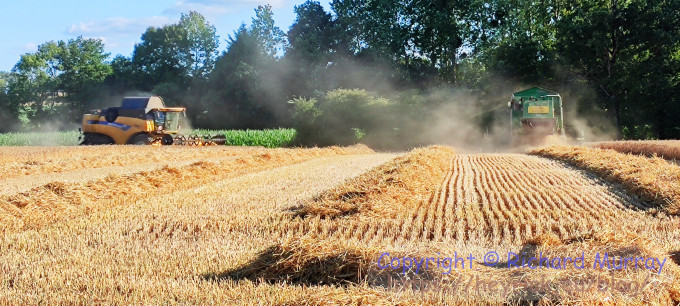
(469,120)
(472,121)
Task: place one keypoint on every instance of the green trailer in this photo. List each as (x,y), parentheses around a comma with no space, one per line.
(536,112)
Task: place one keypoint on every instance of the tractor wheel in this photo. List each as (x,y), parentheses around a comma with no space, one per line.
(141,140)
(167,140)
(96,139)
(85,140)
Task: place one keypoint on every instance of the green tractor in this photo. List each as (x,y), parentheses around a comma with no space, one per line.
(536,114)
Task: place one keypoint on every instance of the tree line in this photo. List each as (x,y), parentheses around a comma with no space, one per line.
(617,58)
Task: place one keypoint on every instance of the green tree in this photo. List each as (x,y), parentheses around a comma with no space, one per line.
(650,59)
(60,79)
(376,34)
(312,46)
(162,57)
(235,98)
(83,69)
(437,33)
(170,57)
(628,51)
(271,38)
(311,37)
(9,110)
(409,42)
(515,40)
(591,34)
(123,74)
(246,88)
(36,80)
(203,43)
(373,27)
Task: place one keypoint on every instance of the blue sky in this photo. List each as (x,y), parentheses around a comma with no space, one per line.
(26,24)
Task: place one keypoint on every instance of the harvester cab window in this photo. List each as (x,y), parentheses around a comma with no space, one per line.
(159,118)
(172,121)
(517,106)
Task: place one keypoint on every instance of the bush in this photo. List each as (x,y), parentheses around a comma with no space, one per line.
(270,138)
(341,117)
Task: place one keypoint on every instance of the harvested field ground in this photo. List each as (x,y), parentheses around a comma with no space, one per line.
(654,179)
(668,149)
(503,203)
(26,161)
(297,226)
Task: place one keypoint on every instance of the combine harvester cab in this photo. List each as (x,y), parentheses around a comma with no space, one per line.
(139,121)
(536,117)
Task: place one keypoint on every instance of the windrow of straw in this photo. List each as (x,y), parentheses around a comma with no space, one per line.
(668,149)
(590,281)
(48,203)
(24,161)
(310,260)
(476,203)
(399,184)
(504,199)
(654,179)
(196,238)
(313,260)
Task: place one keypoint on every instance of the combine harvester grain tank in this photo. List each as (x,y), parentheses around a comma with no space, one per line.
(140,121)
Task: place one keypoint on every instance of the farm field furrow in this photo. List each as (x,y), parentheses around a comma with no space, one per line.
(27,161)
(309,226)
(668,149)
(489,193)
(57,200)
(522,203)
(19,184)
(655,180)
(163,248)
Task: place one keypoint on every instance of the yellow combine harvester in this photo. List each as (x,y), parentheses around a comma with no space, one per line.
(139,121)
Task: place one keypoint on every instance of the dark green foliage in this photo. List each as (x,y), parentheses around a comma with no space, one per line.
(342,117)
(629,53)
(610,58)
(247,88)
(9,108)
(238,96)
(272,138)
(161,57)
(176,53)
(58,81)
(405,120)
(171,59)
(313,44)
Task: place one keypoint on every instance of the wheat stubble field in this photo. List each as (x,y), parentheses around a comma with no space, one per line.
(122,225)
